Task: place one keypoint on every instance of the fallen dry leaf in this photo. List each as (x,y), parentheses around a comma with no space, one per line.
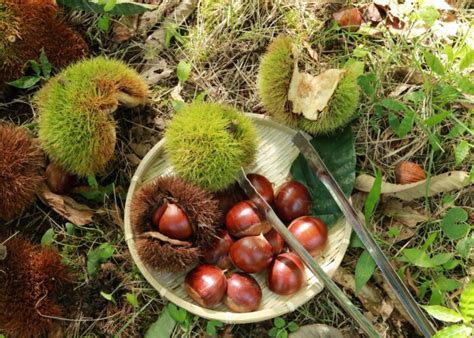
(74,212)
(449,181)
(405,214)
(125,28)
(141,149)
(372,13)
(348,18)
(316,331)
(311,94)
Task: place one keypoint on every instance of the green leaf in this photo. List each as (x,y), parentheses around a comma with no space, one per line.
(104,23)
(70,229)
(461,150)
(177,313)
(373,197)
(437,118)
(453,223)
(48,237)
(441,258)
(25,82)
(467,60)
(451,264)
(417,257)
(464,246)
(429,15)
(273,332)
(36,67)
(279,322)
(110,5)
(132,299)
(183,70)
(163,327)
(466,303)
(46,67)
(211,327)
(443,313)
(367,84)
(454,331)
(447,284)
(393,105)
(108,296)
(98,256)
(436,297)
(434,63)
(342,167)
(122,7)
(293,327)
(282,334)
(364,270)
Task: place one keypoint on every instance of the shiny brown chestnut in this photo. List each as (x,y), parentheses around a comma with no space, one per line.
(292,201)
(58,180)
(206,284)
(263,186)
(172,221)
(244,220)
(218,253)
(275,240)
(286,274)
(243,293)
(311,232)
(251,254)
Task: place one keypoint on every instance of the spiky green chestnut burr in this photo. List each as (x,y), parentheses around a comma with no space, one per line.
(76,126)
(207,143)
(274,78)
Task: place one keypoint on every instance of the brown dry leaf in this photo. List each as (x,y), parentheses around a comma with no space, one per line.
(311,94)
(133,159)
(405,214)
(449,181)
(316,331)
(141,149)
(372,13)
(348,18)
(76,213)
(125,28)
(399,89)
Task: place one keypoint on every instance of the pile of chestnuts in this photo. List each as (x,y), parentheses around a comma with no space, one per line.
(250,245)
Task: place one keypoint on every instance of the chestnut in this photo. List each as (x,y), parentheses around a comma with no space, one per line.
(218,253)
(206,284)
(292,201)
(58,180)
(286,274)
(172,221)
(244,220)
(311,232)
(251,254)
(243,293)
(263,186)
(275,240)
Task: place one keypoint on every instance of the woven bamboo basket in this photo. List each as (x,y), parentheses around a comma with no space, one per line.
(275,155)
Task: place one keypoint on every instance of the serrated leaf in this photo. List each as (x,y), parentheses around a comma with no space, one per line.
(25,82)
(434,63)
(48,237)
(453,223)
(364,270)
(279,322)
(454,331)
(461,150)
(183,70)
(342,167)
(466,303)
(417,257)
(447,284)
(163,327)
(467,60)
(122,7)
(443,313)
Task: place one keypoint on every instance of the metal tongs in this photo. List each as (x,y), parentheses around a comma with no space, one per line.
(406,299)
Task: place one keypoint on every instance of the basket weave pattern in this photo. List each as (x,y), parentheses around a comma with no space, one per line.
(275,155)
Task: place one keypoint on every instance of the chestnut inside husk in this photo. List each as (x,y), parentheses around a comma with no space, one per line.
(159,251)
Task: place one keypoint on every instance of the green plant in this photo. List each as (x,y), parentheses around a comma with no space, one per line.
(76,127)
(208,143)
(280,328)
(274,77)
(98,256)
(42,72)
(465,314)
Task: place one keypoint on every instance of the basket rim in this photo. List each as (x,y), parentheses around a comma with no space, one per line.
(210,314)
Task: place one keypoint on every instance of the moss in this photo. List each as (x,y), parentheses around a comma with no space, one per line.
(199,205)
(32,26)
(33,279)
(274,77)
(21,170)
(76,127)
(207,143)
